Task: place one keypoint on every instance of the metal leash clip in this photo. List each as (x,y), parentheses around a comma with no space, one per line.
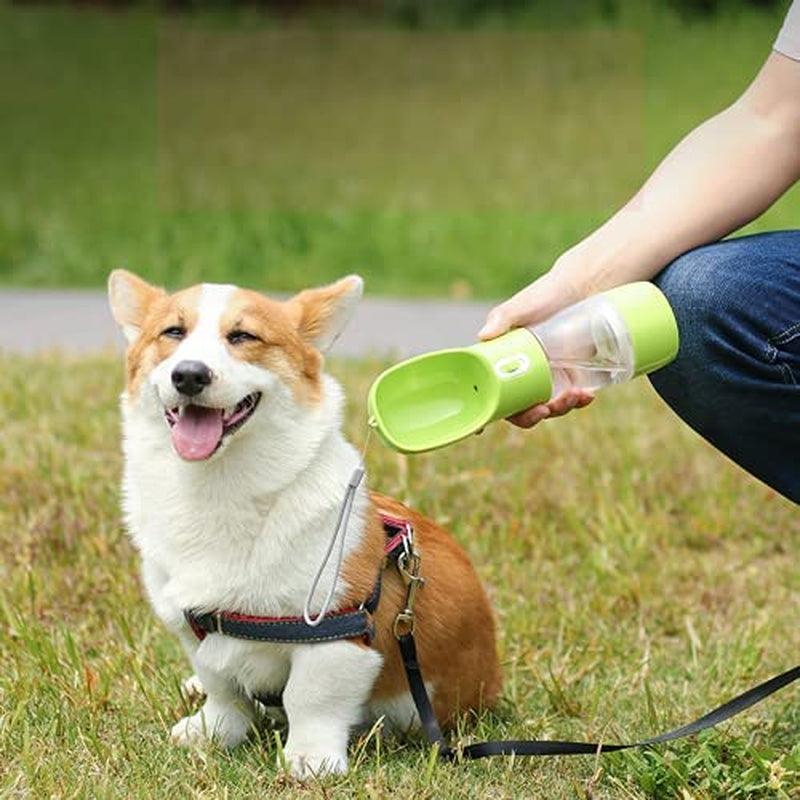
(408,565)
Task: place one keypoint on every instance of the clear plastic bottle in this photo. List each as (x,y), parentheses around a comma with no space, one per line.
(587,345)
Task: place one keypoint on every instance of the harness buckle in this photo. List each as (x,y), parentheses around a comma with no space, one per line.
(217,615)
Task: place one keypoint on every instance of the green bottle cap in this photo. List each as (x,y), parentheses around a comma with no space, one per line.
(650,322)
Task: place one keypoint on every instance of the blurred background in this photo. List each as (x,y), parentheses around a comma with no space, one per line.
(439,147)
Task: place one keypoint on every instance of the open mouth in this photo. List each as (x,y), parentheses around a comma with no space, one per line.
(198,431)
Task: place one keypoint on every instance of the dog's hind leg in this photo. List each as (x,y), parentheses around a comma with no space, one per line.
(226,716)
(326,694)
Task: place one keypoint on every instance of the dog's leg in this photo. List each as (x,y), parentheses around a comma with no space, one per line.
(225,717)
(328,687)
(193,688)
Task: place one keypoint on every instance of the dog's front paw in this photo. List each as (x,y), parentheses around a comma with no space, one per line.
(190,731)
(193,688)
(307,763)
(227,731)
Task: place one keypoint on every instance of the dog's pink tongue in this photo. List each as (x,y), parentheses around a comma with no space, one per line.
(197,432)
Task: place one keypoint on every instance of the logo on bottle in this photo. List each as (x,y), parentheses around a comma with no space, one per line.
(512,366)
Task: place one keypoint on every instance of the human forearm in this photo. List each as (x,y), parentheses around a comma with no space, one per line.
(722,175)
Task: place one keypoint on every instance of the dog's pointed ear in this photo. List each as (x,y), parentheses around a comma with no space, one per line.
(129,297)
(321,314)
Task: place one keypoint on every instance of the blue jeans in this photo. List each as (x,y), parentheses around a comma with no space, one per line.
(736,379)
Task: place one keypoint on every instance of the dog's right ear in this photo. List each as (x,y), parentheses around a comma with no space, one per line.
(129,297)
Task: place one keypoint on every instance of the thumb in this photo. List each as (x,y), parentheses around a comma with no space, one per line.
(537,301)
(497,323)
(517,310)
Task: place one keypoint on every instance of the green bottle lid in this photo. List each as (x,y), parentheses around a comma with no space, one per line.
(650,322)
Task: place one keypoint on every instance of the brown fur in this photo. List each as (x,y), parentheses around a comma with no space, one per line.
(281,348)
(151,348)
(454,634)
(285,330)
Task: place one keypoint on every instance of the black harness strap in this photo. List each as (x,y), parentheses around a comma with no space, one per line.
(353,623)
(349,623)
(534,747)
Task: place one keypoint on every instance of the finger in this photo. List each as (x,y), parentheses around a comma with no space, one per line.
(497,323)
(521,309)
(530,417)
(535,302)
(563,404)
(568,400)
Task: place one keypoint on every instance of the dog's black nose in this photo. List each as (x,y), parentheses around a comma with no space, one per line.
(191,377)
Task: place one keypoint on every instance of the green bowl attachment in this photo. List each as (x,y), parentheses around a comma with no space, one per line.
(438,398)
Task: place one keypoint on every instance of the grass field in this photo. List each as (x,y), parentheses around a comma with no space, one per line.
(639,579)
(433,162)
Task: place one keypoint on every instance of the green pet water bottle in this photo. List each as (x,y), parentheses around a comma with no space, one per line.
(438,398)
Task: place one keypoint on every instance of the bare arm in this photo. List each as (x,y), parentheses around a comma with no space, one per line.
(721,176)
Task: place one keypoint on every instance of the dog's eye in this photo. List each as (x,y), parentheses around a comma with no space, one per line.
(174,332)
(239,337)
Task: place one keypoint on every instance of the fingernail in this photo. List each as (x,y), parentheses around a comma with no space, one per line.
(544,412)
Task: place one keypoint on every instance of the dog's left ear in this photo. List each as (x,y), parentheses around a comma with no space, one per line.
(322,314)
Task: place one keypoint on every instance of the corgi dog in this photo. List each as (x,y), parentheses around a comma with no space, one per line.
(235,468)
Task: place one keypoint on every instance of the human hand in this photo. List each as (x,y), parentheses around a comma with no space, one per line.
(535,303)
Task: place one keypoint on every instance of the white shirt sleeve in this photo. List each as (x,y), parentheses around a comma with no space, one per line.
(788,41)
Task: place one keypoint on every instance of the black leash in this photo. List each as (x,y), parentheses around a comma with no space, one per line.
(534,747)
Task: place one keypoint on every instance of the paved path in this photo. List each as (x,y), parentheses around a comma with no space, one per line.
(75,321)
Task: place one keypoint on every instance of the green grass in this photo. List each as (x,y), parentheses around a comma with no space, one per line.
(433,162)
(639,579)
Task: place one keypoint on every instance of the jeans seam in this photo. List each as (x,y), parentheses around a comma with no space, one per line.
(772,352)
(784,337)
(788,375)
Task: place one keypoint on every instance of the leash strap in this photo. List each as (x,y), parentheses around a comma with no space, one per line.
(535,747)
(419,693)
